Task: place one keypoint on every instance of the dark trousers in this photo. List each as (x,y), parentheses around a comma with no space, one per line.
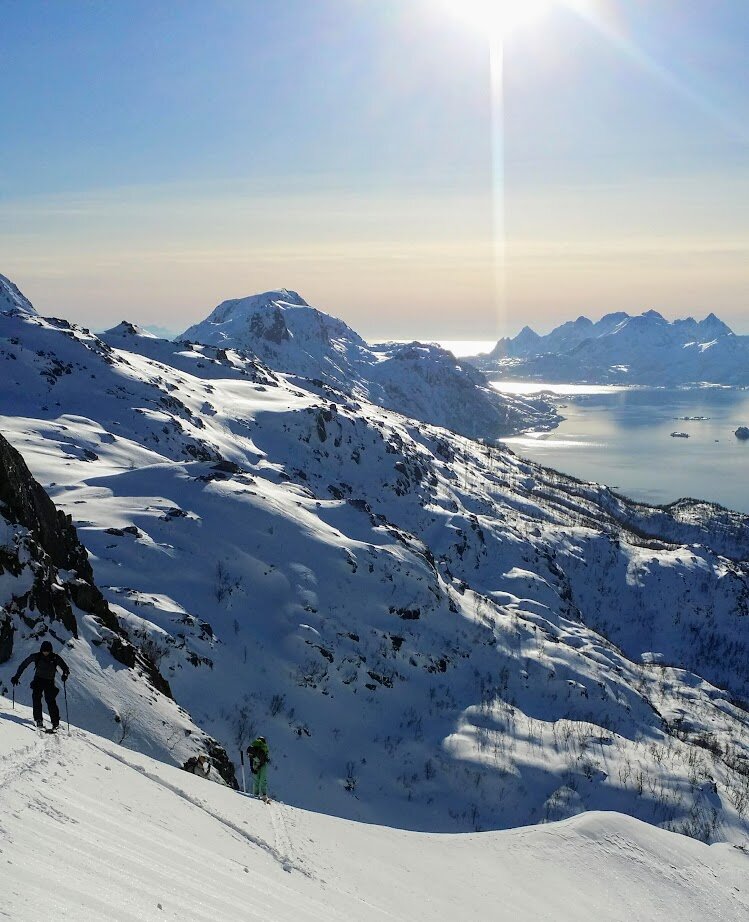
(50,691)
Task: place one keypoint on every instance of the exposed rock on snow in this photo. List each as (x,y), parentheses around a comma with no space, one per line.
(47,591)
(31,520)
(126,330)
(422,381)
(742,432)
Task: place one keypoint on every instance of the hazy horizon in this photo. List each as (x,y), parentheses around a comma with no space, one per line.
(160,159)
(462,341)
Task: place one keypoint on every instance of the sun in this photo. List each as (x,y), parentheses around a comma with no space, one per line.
(498,18)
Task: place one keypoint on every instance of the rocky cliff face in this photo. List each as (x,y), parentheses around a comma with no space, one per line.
(40,548)
(47,591)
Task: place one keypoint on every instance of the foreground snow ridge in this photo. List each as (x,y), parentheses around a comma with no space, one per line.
(92,831)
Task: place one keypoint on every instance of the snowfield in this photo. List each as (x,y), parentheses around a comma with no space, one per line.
(92,832)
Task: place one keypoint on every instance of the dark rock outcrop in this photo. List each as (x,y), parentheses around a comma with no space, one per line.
(26,503)
(62,579)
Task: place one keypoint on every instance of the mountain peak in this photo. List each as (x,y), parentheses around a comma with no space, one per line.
(125,329)
(713,326)
(12,299)
(612,320)
(252,303)
(270,318)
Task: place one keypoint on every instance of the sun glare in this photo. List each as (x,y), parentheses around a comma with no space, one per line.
(497,18)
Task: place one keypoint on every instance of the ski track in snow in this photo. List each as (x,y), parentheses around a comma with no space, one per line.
(283,840)
(279,855)
(93,833)
(48,772)
(28,759)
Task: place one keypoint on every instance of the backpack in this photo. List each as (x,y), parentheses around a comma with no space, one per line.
(258,755)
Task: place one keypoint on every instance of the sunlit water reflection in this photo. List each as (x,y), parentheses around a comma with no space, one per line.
(622,437)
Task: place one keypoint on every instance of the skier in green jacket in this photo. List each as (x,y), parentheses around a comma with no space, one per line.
(259,757)
(46,663)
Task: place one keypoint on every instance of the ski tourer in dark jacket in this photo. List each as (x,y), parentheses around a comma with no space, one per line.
(46,663)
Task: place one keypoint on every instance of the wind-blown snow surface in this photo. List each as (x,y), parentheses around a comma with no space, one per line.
(646,350)
(421,381)
(93,832)
(432,633)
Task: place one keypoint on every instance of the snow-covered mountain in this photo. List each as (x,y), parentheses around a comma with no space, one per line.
(618,348)
(432,633)
(419,380)
(97,833)
(11,298)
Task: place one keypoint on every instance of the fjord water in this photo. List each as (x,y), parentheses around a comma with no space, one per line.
(622,437)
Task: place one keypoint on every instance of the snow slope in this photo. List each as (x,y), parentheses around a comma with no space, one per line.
(11,298)
(421,381)
(431,632)
(646,350)
(95,832)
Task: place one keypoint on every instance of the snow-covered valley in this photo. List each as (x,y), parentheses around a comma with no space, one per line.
(432,633)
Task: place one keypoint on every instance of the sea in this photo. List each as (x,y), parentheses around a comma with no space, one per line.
(655,445)
(622,437)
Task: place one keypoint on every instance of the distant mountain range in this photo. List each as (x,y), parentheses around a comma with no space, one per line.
(425,382)
(624,349)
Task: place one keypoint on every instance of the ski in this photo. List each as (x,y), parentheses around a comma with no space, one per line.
(44,730)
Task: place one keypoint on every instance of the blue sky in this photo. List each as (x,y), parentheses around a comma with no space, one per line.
(160,157)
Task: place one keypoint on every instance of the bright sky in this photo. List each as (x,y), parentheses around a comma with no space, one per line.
(159,157)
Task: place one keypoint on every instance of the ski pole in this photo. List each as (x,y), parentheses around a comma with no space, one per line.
(65,689)
(241,759)
(14,697)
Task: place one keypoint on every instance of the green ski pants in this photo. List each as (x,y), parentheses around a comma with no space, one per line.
(260,782)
